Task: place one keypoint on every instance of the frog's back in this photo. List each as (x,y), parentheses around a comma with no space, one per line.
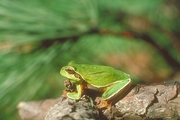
(98,75)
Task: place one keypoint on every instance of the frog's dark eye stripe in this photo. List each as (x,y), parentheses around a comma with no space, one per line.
(70,70)
(77,75)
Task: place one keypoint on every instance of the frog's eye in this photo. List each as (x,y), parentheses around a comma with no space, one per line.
(70,70)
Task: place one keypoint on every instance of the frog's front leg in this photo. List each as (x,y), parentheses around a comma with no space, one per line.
(76,94)
(113,91)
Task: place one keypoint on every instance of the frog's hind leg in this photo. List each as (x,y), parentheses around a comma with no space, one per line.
(116,89)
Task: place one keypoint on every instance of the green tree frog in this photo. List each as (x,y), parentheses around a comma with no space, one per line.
(104,78)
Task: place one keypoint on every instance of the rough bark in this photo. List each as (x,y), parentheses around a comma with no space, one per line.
(143,102)
(35,110)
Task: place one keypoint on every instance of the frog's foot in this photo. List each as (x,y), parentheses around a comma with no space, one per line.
(64,94)
(69,86)
(102,104)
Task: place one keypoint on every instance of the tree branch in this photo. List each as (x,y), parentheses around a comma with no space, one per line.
(163,51)
(145,37)
(157,101)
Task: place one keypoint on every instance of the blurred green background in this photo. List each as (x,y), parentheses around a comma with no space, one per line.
(38,37)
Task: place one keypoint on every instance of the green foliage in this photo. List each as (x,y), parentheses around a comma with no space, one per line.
(38,37)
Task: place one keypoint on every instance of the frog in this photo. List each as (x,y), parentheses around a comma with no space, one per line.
(105,79)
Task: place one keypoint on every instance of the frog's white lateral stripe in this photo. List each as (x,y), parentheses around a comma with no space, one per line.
(108,84)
